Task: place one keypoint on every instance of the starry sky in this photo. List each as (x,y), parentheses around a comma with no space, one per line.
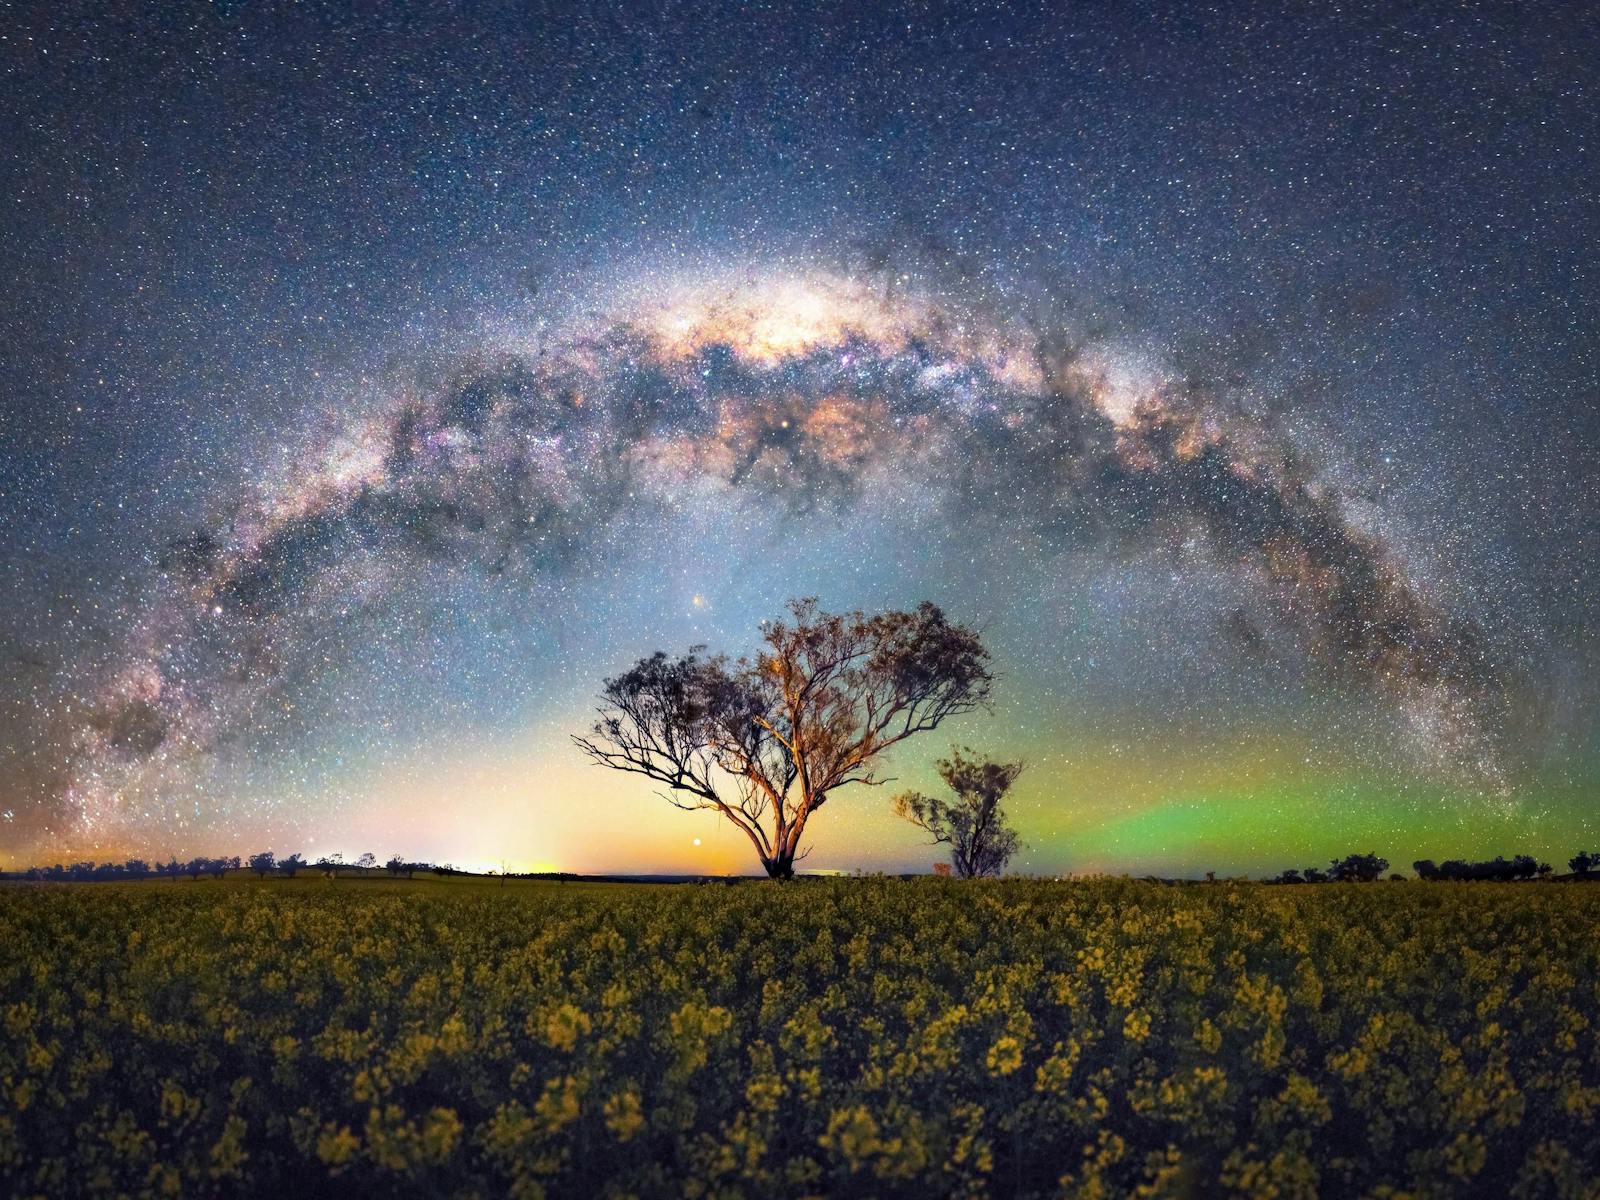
(373,386)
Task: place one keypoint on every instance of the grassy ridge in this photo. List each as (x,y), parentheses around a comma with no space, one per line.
(861,1037)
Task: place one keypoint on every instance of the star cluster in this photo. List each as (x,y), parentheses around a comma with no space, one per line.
(374,388)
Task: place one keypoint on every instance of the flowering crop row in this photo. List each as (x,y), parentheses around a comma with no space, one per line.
(859,1037)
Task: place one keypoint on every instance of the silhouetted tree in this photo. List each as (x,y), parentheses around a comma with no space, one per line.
(1289,876)
(973,825)
(1544,869)
(291,866)
(1493,868)
(367,861)
(1315,875)
(1583,862)
(263,862)
(766,741)
(1358,868)
(1425,868)
(1496,869)
(329,864)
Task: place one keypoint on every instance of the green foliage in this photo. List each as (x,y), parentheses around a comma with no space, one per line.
(852,1038)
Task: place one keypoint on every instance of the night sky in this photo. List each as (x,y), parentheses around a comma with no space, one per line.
(372,387)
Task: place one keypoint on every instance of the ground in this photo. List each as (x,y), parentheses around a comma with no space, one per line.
(841,1037)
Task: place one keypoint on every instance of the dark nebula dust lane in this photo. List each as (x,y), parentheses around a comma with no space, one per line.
(379,438)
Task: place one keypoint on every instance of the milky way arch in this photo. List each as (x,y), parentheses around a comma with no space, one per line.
(797,391)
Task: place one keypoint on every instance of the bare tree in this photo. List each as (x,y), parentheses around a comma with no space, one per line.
(973,825)
(766,741)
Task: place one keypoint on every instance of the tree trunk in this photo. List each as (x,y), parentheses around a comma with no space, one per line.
(780,866)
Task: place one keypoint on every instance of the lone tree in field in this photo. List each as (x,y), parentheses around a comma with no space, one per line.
(973,825)
(766,741)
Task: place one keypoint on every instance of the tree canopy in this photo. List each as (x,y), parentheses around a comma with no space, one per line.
(766,740)
(973,825)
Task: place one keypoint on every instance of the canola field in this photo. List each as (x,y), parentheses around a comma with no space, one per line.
(843,1038)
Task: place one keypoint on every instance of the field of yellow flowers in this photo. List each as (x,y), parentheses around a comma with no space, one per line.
(845,1038)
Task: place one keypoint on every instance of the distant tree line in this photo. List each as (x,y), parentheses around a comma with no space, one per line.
(262,864)
(1499,868)
(1365,868)
(1353,868)
(134,868)
(978,851)
(266,863)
